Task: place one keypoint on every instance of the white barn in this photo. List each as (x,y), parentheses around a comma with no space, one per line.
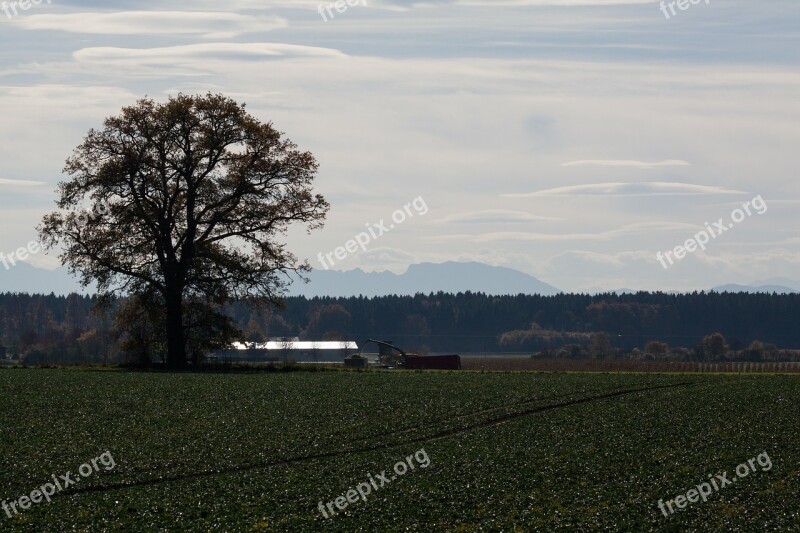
(277,350)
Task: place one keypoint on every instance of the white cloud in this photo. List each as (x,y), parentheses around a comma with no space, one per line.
(212,25)
(198,54)
(638,228)
(658,188)
(21,183)
(458,103)
(548,3)
(625,163)
(503,216)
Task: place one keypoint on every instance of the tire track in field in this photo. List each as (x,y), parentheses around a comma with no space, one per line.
(333,454)
(411,429)
(354,443)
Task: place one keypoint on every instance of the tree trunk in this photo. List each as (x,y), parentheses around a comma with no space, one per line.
(176,336)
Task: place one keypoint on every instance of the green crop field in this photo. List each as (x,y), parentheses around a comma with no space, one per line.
(502,451)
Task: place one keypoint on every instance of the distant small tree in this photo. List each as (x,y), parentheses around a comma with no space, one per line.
(656,348)
(770,351)
(735,344)
(417,325)
(94,344)
(601,345)
(714,347)
(755,352)
(682,354)
(326,318)
(137,324)
(315,350)
(286,348)
(572,351)
(253,332)
(333,335)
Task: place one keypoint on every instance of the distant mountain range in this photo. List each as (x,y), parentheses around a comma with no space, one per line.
(25,277)
(599,290)
(769,286)
(781,282)
(424,277)
(758,287)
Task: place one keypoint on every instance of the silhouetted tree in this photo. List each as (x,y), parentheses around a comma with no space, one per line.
(186,199)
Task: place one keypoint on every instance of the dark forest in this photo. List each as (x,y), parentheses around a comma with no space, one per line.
(54,329)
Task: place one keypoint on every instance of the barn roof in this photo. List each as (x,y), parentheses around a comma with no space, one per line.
(297,345)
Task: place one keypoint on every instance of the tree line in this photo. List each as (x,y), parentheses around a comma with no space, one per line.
(698,326)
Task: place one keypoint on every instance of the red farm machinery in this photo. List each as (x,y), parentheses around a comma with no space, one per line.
(390,356)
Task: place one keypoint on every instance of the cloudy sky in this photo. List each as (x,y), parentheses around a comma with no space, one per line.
(569,139)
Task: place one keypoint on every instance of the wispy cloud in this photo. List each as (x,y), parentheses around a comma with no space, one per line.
(21,183)
(625,163)
(491,216)
(212,25)
(656,188)
(193,53)
(549,3)
(575,101)
(640,228)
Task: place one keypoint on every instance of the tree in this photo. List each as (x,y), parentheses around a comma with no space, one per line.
(75,317)
(253,332)
(601,345)
(714,346)
(325,319)
(207,329)
(188,201)
(572,351)
(656,348)
(755,352)
(137,323)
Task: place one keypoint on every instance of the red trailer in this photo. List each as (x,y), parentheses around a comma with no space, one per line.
(432,362)
(413,361)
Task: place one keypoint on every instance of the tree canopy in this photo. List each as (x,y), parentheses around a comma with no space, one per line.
(185,203)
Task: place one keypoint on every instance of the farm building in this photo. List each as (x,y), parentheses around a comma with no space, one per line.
(296,350)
